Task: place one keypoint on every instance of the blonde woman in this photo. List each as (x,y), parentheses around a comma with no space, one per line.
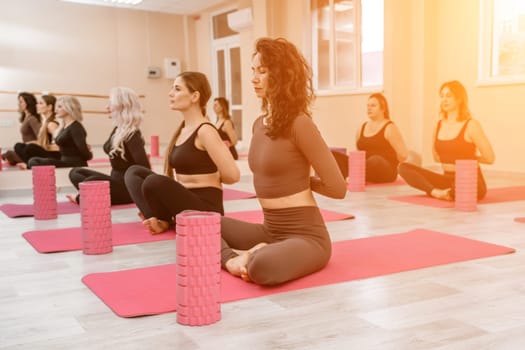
(125,146)
(71,139)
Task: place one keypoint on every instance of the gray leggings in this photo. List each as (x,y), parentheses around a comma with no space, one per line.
(298,244)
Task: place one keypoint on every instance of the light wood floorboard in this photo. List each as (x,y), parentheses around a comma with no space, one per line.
(477,304)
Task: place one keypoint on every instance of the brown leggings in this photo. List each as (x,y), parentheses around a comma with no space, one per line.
(298,244)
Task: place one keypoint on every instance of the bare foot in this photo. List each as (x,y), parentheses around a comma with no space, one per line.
(155,225)
(21,166)
(72,198)
(237,266)
(442,194)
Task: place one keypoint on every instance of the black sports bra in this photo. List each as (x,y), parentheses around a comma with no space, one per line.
(189,160)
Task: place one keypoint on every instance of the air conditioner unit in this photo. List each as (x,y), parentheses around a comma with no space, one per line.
(240,19)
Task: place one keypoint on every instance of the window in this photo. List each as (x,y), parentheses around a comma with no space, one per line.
(502,42)
(347,44)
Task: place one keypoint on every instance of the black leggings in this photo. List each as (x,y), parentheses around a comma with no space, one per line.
(162,197)
(27,151)
(380,170)
(298,244)
(58,163)
(117,188)
(427,180)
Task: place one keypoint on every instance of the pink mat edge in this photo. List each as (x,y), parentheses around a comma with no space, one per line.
(508,250)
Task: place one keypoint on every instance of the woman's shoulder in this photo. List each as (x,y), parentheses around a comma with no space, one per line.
(302,120)
(303,124)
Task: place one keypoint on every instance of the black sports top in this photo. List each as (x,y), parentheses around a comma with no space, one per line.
(224,136)
(134,153)
(189,160)
(377,144)
(72,143)
(457,148)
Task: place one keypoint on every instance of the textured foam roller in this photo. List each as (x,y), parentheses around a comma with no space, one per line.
(154,144)
(198,281)
(356,171)
(95,212)
(466,185)
(44,192)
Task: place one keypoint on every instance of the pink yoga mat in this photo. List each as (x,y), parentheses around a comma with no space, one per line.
(25,210)
(397,182)
(68,239)
(521,220)
(494,195)
(151,290)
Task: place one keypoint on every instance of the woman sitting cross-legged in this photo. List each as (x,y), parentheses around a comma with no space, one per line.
(125,146)
(197,155)
(456,136)
(293,241)
(44,146)
(380,138)
(71,139)
(30,123)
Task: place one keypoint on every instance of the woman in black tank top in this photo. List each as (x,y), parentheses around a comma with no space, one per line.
(196,162)
(224,124)
(381,140)
(456,136)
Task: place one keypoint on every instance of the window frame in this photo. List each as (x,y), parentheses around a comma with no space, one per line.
(333,89)
(486,50)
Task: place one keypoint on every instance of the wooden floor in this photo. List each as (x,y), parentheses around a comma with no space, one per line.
(479,304)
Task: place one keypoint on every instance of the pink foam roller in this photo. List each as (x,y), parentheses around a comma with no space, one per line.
(356,171)
(154,145)
(95,212)
(198,268)
(466,184)
(44,192)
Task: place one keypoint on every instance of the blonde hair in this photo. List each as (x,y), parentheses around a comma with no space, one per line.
(126,114)
(72,106)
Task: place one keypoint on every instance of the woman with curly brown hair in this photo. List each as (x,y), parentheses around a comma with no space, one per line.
(293,241)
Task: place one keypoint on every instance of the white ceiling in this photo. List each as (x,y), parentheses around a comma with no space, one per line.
(180,7)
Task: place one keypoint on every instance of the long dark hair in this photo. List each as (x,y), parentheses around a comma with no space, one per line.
(42,138)
(194,81)
(30,101)
(225,105)
(290,90)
